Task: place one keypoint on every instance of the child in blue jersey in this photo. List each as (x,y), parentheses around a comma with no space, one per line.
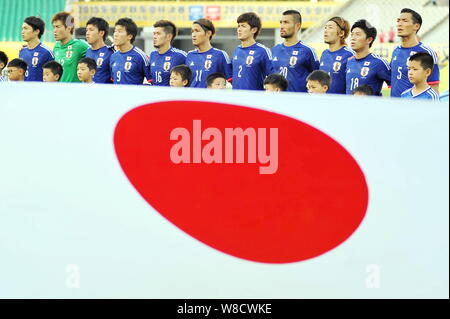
(35,54)
(96,33)
(166,56)
(252,61)
(334,59)
(129,65)
(17,69)
(180,76)
(205,59)
(408,24)
(293,59)
(420,66)
(275,83)
(318,82)
(365,67)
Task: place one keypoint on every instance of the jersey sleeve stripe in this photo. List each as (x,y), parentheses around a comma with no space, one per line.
(430,52)
(48,49)
(312,51)
(227,58)
(179,51)
(383,60)
(269,53)
(143,55)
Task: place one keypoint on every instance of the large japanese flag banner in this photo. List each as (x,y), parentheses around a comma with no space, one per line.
(143,192)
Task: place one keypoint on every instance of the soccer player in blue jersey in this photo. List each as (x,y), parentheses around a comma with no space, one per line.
(35,54)
(365,67)
(205,59)
(293,59)
(251,61)
(129,65)
(166,56)
(420,67)
(334,59)
(96,33)
(408,24)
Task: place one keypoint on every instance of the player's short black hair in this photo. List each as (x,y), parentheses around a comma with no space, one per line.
(168,26)
(206,25)
(253,21)
(417,18)
(184,71)
(216,75)
(36,23)
(296,14)
(3,58)
(365,89)
(55,67)
(18,63)
(91,64)
(130,26)
(101,24)
(426,60)
(320,76)
(369,30)
(277,80)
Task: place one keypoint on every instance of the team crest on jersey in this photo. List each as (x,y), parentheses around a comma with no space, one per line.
(101,54)
(293,60)
(166,66)
(336,66)
(99,62)
(208,64)
(34,61)
(68,54)
(338,58)
(367,63)
(249,60)
(128,58)
(294,52)
(167,58)
(365,71)
(36,54)
(127,66)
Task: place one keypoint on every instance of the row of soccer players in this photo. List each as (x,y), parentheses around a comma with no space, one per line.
(251,62)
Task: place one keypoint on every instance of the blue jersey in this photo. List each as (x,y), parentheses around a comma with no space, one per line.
(335,64)
(399,77)
(428,94)
(251,65)
(295,63)
(130,67)
(161,64)
(372,70)
(204,63)
(35,59)
(102,57)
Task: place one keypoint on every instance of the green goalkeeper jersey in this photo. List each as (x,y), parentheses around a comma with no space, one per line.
(68,56)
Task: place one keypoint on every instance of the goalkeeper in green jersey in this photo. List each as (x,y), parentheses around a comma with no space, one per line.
(68,51)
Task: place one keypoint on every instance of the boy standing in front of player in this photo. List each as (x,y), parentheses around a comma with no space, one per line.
(365,67)
(165,57)
(408,24)
(293,59)
(334,59)
(96,33)
(35,54)
(129,65)
(252,61)
(68,51)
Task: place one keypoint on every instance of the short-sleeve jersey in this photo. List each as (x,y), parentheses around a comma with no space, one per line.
(130,67)
(335,64)
(251,65)
(161,64)
(372,70)
(295,62)
(203,64)
(102,57)
(68,56)
(428,94)
(35,59)
(399,77)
